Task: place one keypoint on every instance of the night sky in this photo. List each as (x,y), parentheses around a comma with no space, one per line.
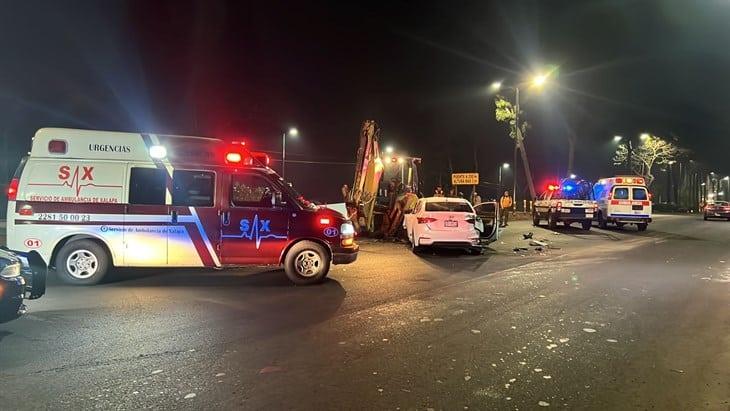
(421,69)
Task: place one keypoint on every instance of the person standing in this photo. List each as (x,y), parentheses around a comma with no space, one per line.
(475,198)
(506,204)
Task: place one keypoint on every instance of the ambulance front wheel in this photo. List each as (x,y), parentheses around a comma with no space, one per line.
(82,262)
(307,263)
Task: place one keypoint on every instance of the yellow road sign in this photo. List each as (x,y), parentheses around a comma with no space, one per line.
(465,179)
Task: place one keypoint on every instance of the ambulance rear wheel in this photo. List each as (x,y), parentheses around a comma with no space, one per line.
(82,262)
(587,224)
(535,219)
(642,226)
(307,263)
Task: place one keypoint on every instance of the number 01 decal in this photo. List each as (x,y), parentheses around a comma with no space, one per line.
(33,243)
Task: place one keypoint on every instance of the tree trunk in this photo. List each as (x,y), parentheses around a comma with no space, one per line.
(526,165)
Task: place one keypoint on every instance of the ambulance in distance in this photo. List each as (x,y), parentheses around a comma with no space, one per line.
(623,200)
(86,201)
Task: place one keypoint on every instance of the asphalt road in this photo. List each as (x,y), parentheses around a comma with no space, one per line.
(601,320)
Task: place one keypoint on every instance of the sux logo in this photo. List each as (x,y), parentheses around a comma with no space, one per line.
(64,173)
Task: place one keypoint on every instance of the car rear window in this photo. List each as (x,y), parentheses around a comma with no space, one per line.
(621,193)
(639,194)
(448,206)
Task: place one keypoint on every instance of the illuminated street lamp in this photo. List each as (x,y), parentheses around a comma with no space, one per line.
(293,133)
(644,136)
(539,80)
(389,149)
(504,167)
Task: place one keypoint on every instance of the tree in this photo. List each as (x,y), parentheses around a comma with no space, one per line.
(652,151)
(506,112)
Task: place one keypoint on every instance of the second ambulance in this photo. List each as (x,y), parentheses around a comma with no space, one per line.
(623,200)
(86,201)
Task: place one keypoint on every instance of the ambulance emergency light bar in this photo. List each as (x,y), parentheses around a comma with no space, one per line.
(235,154)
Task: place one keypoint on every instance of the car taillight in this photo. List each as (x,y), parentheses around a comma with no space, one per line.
(646,203)
(425,220)
(614,202)
(12,190)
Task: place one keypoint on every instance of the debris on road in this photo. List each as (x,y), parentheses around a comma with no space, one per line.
(677,371)
(589,330)
(156,372)
(527,236)
(538,243)
(190,396)
(475,331)
(543,404)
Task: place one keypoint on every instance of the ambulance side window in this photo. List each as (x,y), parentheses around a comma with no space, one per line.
(193,188)
(147,186)
(250,190)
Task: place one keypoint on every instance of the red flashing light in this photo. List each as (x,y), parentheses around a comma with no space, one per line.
(425,220)
(12,190)
(619,180)
(233,158)
(639,181)
(553,187)
(238,143)
(324,221)
(57,147)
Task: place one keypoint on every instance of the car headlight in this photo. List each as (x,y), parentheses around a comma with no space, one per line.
(10,271)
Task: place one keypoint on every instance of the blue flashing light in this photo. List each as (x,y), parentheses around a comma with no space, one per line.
(567,188)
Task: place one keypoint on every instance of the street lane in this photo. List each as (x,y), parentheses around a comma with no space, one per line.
(614,318)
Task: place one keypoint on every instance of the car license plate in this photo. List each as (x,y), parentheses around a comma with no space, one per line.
(451,223)
(637,207)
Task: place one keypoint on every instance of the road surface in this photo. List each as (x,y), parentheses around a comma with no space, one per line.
(601,320)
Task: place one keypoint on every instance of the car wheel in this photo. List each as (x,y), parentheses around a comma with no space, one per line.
(602,223)
(552,220)
(587,224)
(535,219)
(476,251)
(82,262)
(414,247)
(705,217)
(307,263)
(642,226)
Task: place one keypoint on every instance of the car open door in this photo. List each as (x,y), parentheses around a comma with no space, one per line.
(488,213)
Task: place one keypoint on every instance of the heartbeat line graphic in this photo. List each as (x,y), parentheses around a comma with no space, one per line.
(253,230)
(75,183)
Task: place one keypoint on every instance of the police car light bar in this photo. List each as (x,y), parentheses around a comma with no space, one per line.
(158,152)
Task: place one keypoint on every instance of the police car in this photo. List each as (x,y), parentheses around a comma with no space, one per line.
(88,200)
(623,200)
(569,202)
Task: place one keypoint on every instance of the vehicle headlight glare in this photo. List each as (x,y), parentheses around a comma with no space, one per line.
(11,271)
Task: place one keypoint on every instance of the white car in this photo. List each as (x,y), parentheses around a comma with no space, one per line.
(451,222)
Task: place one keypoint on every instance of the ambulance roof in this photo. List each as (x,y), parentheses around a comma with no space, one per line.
(625,180)
(143,147)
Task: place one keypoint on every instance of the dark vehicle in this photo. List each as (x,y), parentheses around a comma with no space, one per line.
(19,280)
(718,209)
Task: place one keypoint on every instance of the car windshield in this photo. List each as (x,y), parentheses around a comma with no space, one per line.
(448,206)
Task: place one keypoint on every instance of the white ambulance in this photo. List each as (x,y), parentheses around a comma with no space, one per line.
(622,200)
(89,200)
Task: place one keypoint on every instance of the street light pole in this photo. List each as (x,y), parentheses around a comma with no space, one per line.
(293,132)
(283,155)
(517,136)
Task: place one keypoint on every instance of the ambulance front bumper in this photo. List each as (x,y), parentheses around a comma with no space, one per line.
(345,255)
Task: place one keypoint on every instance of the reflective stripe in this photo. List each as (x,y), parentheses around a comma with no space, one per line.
(203,234)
